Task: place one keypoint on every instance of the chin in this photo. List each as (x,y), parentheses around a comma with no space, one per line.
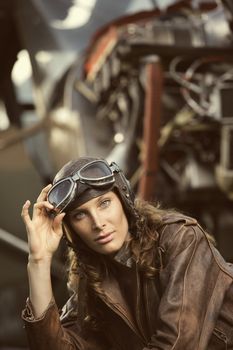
(110,248)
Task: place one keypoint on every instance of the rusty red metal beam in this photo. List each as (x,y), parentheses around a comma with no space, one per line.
(151,127)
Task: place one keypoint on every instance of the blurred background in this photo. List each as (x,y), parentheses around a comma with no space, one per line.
(148,84)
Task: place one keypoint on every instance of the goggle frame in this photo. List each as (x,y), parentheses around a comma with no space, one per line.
(96,182)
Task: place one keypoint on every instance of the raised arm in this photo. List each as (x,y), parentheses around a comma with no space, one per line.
(44,234)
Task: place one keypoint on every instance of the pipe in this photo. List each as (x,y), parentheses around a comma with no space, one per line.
(151,127)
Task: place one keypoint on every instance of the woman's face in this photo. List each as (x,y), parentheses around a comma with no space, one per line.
(101,223)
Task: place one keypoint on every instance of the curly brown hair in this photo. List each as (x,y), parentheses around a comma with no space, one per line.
(83,261)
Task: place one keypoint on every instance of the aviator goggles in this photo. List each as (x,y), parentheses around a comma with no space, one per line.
(97,173)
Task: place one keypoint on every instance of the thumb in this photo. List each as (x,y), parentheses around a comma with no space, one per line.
(57,223)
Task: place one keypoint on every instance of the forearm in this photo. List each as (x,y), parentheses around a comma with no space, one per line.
(40,286)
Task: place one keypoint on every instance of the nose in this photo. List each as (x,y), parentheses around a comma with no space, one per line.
(97,221)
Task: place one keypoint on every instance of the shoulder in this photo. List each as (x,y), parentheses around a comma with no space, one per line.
(175,217)
(178,230)
(181,235)
(173,222)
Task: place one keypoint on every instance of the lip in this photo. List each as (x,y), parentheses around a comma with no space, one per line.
(103,239)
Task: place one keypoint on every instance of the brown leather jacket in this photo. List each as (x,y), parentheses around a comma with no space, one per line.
(188,306)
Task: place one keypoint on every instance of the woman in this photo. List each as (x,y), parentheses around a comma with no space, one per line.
(140,277)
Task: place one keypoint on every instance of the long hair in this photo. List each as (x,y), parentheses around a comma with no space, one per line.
(145,250)
(85,262)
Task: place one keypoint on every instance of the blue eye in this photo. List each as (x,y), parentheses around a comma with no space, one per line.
(105,203)
(79,215)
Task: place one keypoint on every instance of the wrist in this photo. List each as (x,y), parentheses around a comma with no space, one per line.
(33,261)
(39,270)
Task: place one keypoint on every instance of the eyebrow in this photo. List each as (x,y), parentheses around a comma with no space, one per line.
(80,209)
(77,210)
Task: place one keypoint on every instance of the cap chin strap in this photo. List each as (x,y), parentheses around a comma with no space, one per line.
(124,188)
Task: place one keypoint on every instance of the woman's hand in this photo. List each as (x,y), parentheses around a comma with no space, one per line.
(43,230)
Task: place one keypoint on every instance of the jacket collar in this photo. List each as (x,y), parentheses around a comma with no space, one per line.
(124,256)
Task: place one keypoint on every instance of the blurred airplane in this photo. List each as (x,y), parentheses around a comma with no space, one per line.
(146,83)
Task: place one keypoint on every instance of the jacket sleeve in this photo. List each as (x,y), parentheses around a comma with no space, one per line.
(189,281)
(51,332)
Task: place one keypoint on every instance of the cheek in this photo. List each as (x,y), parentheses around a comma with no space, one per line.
(125,224)
(80,228)
(121,218)
(82,233)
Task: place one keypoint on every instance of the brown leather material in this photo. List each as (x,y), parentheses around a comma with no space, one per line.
(188,306)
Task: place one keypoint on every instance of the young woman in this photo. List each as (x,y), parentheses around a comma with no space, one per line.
(140,277)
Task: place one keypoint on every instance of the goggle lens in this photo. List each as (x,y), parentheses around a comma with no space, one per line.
(96,173)
(60,192)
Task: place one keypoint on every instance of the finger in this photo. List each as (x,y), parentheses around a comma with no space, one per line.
(25,214)
(43,194)
(42,208)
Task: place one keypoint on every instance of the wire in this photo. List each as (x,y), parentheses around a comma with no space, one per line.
(226,76)
(204,106)
(193,104)
(179,77)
